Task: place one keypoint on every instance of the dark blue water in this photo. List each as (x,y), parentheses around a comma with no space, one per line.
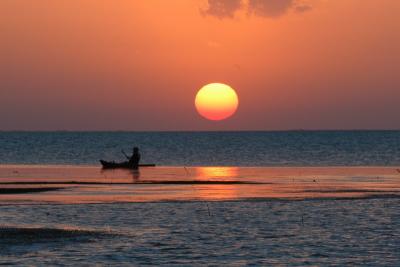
(362,232)
(292,148)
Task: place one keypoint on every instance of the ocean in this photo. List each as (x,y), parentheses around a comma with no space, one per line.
(215,198)
(247,233)
(286,148)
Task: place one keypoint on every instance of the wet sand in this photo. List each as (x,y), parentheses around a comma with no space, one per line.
(38,184)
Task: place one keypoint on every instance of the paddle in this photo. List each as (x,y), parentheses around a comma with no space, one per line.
(123,152)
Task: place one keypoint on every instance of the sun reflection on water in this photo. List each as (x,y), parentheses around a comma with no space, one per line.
(210,173)
(214,191)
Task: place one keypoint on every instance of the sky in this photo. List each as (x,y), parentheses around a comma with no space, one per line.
(137,65)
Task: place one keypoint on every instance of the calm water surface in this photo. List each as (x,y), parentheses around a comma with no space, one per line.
(197,231)
(295,148)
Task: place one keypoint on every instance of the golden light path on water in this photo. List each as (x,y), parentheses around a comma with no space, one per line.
(206,173)
(216,191)
(72,184)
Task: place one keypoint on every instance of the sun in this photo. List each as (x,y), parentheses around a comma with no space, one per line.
(216,101)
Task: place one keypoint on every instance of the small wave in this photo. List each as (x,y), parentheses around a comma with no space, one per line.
(319,255)
(278,236)
(350,190)
(42,234)
(28,190)
(179,182)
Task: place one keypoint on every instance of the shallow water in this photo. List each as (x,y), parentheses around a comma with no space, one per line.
(32,184)
(313,232)
(199,216)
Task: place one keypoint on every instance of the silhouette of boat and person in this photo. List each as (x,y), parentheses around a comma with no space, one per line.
(133,162)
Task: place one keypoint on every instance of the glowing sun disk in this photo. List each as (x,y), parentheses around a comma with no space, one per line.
(216,101)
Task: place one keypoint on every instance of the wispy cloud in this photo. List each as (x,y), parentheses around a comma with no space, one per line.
(222,8)
(303,8)
(262,8)
(269,8)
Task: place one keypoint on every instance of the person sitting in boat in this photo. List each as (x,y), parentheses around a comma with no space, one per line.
(134,159)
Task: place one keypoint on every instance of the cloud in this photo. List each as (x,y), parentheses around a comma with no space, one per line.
(269,8)
(303,8)
(262,8)
(222,8)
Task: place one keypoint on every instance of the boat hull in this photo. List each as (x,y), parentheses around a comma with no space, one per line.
(121,165)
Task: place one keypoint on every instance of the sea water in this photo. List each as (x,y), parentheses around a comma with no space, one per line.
(247,233)
(291,148)
(256,232)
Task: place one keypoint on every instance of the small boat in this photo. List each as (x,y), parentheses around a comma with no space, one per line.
(121,165)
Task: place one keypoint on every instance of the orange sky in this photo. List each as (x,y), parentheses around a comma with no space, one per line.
(137,65)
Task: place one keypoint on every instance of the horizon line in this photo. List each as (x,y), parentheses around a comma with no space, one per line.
(166,131)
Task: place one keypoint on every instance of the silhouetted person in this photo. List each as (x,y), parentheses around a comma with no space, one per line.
(134,159)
